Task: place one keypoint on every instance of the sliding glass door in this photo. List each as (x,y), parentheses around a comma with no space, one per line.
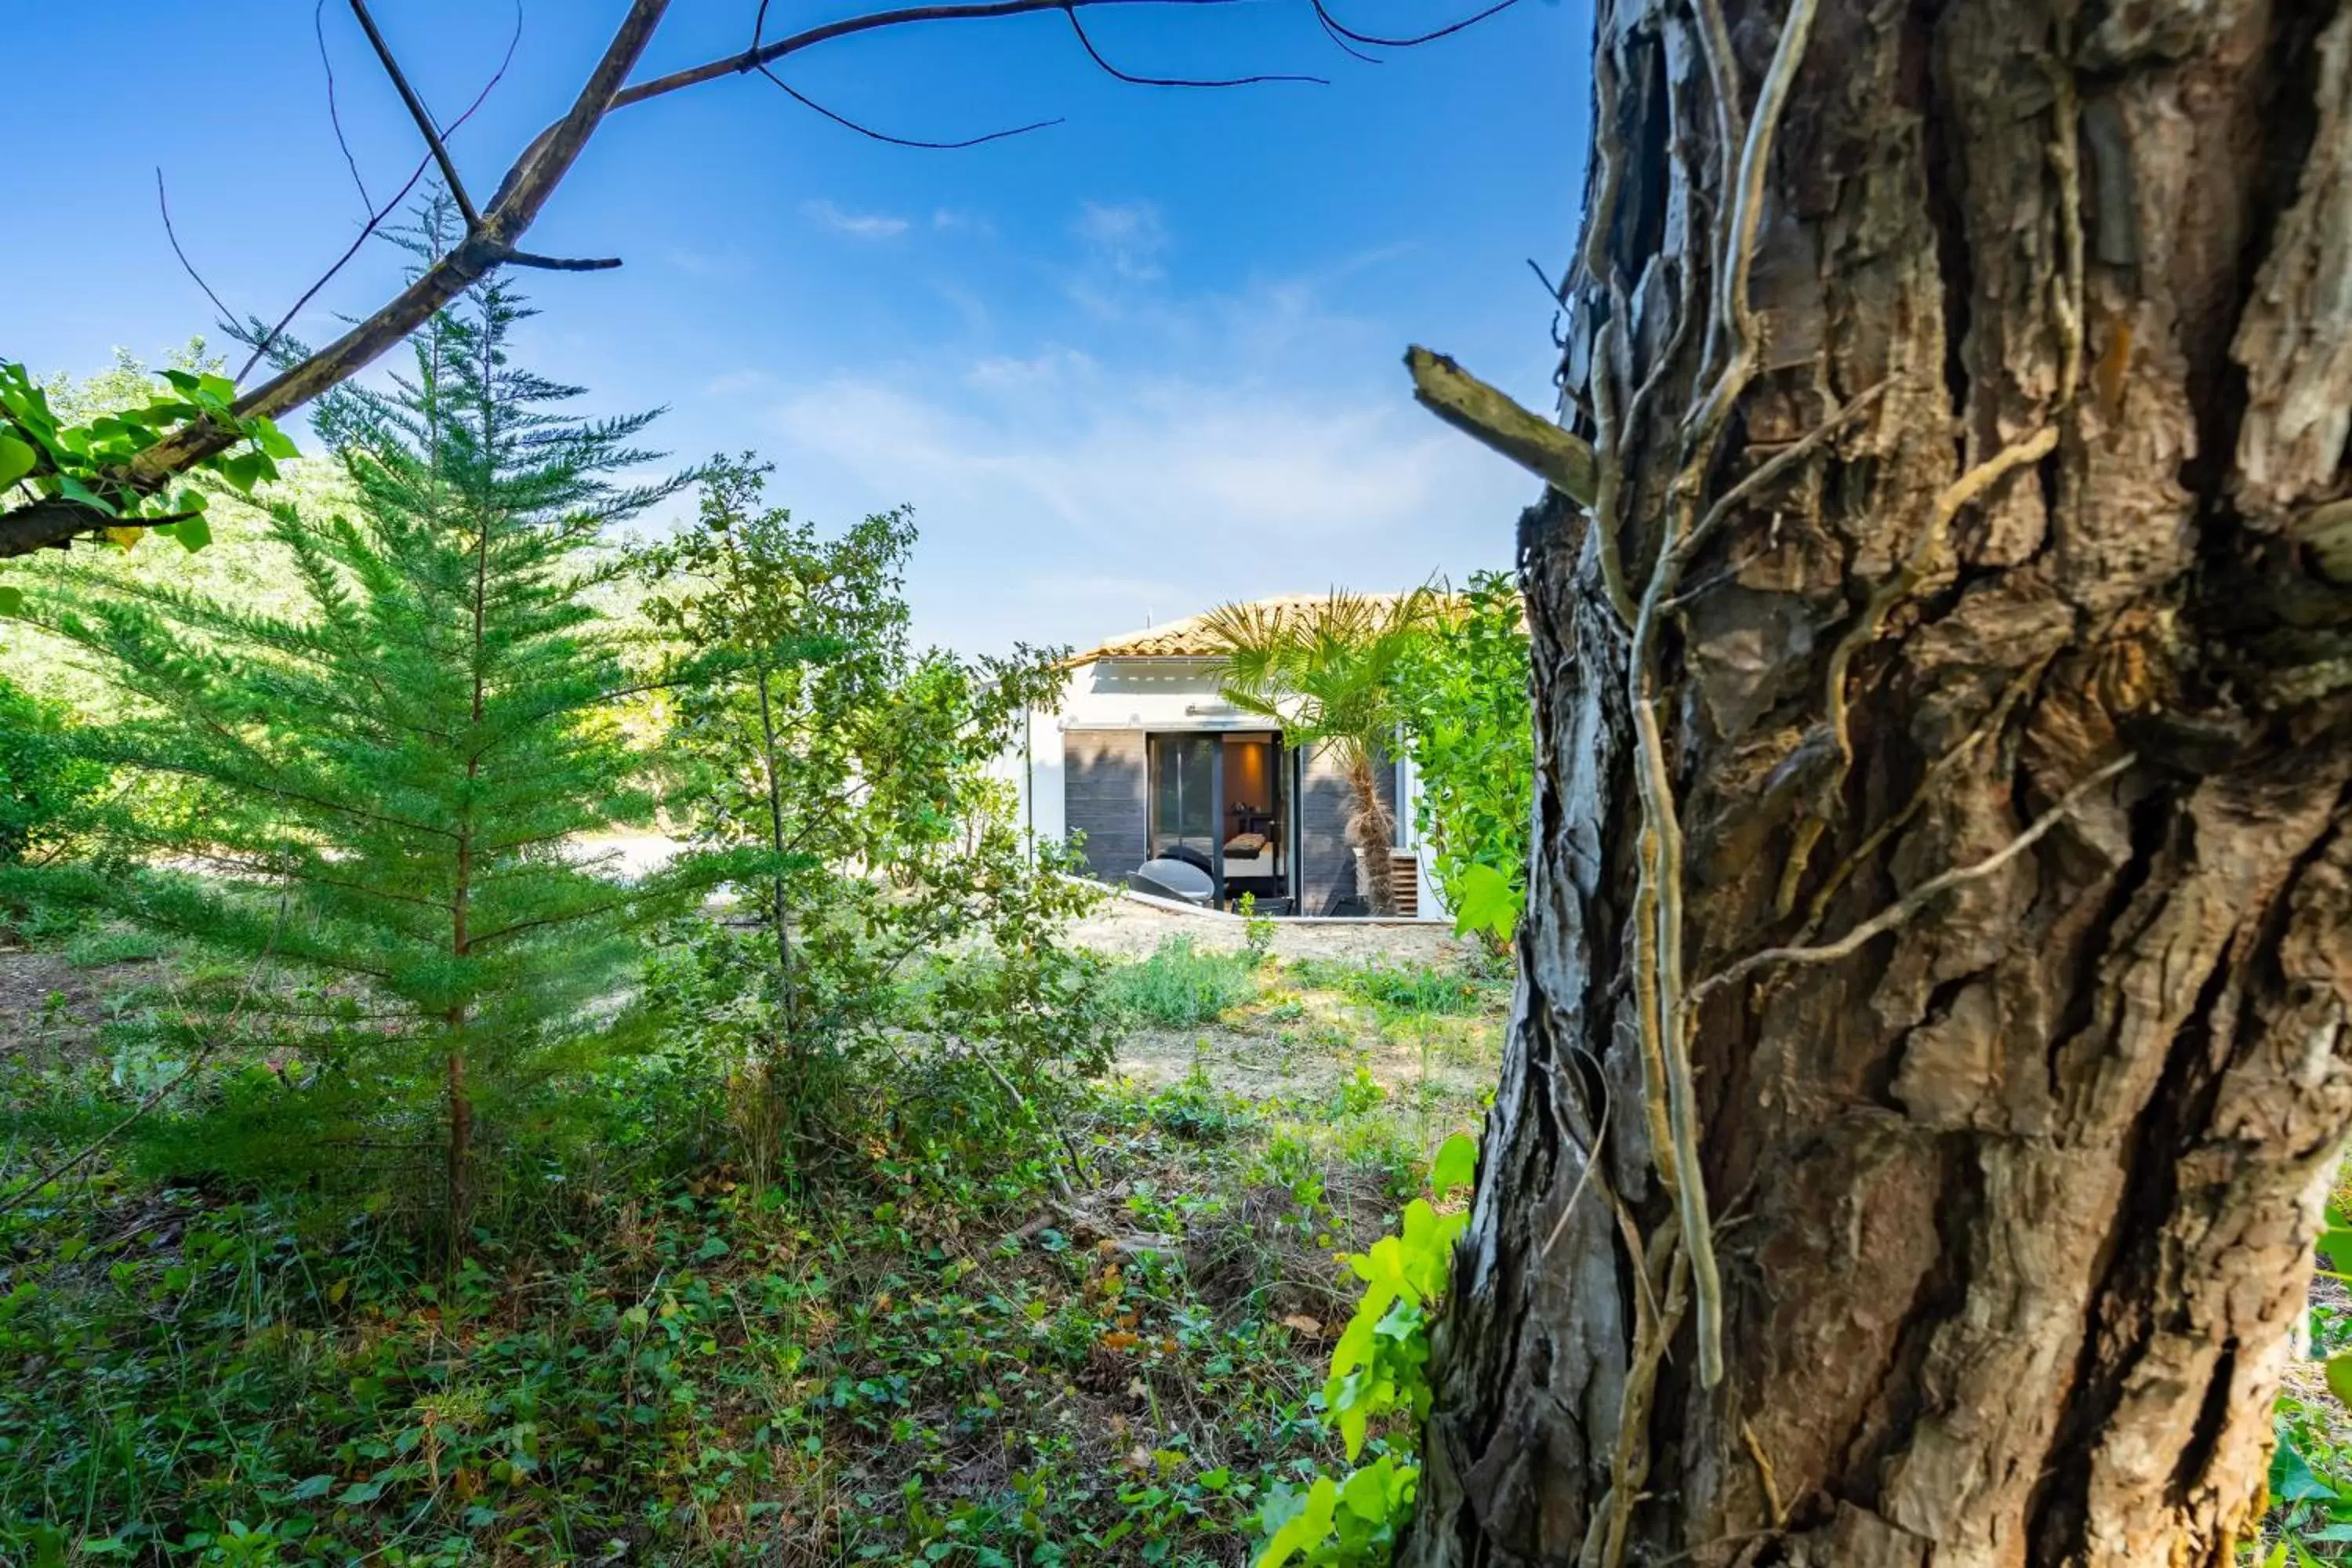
(1184,805)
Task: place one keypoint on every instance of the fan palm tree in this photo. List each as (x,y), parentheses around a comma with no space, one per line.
(1328,673)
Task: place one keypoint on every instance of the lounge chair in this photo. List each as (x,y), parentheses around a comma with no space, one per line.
(1174,880)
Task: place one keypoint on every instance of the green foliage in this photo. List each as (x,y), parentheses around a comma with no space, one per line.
(937,1361)
(806,726)
(89,460)
(1468,727)
(386,783)
(42,777)
(1181,987)
(1378,1369)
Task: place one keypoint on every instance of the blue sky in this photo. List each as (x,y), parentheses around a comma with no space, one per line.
(1123,368)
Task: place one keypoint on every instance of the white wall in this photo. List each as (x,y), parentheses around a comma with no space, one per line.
(1033,766)
(1152,694)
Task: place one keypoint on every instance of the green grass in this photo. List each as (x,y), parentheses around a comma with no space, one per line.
(1181,987)
(96,946)
(1407,990)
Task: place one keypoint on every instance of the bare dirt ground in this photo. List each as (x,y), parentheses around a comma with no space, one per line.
(1131,930)
(1250,1054)
(50,1010)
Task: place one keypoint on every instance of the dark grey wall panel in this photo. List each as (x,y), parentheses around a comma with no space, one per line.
(1102,798)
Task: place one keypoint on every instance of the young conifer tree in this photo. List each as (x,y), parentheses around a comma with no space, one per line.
(405,766)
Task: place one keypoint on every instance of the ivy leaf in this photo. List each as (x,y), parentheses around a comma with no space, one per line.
(1486,901)
(12,600)
(124,538)
(73,489)
(194,534)
(273,441)
(2340,1375)
(1366,1493)
(1456,1164)
(243,469)
(17,459)
(2291,1479)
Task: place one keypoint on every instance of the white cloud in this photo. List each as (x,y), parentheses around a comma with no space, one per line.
(861,225)
(728,263)
(1125,237)
(738,383)
(948,220)
(1152,463)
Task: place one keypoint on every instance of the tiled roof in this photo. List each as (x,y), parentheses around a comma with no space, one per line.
(1190,638)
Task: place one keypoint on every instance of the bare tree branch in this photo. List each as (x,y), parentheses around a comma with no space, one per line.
(334,115)
(1324,21)
(753,58)
(187,266)
(492,237)
(1070,10)
(561,263)
(375,217)
(1333,24)
(843,120)
(423,117)
(1489,416)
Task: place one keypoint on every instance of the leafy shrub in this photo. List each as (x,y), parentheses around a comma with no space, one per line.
(1469,731)
(42,777)
(1181,987)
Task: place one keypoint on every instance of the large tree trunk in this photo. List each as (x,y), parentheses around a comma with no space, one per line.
(2011,1203)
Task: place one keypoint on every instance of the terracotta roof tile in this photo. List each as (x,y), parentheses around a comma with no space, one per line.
(1189,639)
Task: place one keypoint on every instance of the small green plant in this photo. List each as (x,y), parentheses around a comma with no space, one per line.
(101,945)
(1419,990)
(1378,1369)
(1257,933)
(1181,987)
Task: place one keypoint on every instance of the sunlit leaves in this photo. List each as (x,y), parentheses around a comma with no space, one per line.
(1468,729)
(17,458)
(90,462)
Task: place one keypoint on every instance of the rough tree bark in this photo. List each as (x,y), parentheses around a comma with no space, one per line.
(2050,307)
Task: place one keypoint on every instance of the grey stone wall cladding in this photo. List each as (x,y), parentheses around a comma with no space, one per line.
(1103,782)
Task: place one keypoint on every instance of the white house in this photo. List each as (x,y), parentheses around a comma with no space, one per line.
(1146,760)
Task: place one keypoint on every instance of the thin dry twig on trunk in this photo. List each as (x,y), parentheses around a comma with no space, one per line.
(1918,897)
(1659,991)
